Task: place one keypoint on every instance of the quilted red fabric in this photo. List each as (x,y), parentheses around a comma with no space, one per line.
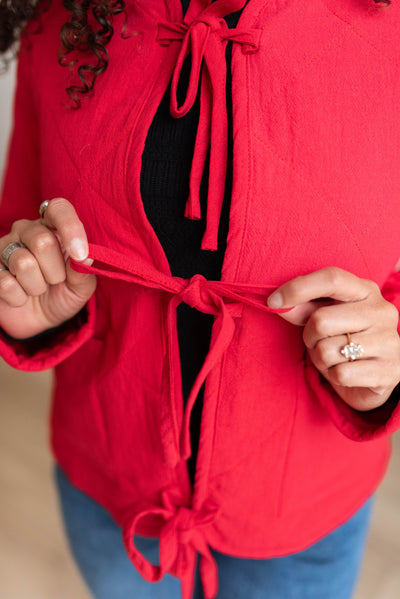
(282,460)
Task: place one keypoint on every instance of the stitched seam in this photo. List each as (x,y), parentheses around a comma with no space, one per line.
(149,229)
(75,189)
(249,174)
(90,185)
(249,152)
(359,35)
(116,141)
(131,136)
(315,57)
(82,175)
(319,193)
(55,123)
(262,10)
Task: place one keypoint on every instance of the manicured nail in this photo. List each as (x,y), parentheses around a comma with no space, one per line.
(88,262)
(275,300)
(77,249)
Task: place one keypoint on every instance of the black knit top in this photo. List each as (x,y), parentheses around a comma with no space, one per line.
(166,165)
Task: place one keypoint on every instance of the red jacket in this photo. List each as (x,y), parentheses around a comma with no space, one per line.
(282,459)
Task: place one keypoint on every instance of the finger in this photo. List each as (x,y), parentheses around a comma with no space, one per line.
(330,321)
(44,245)
(61,216)
(373,374)
(82,284)
(337,319)
(11,291)
(299,315)
(328,351)
(328,282)
(25,268)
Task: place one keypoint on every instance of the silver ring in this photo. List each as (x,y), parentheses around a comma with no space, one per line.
(10,249)
(42,208)
(351,351)
(3,268)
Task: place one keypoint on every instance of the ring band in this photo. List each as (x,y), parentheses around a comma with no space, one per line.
(43,207)
(351,351)
(9,250)
(3,268)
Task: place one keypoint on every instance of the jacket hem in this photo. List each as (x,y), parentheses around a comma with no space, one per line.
(95,480)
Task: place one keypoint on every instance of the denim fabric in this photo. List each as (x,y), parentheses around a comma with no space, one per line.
(326,570)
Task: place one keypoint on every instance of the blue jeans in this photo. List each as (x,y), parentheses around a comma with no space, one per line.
(326,570)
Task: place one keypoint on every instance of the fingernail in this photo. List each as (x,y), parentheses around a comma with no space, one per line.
(77,249)
(88,262)
(275,300)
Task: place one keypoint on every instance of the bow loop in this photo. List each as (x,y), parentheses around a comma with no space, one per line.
(170,32)
(181,538)
(214,23)
(204,35)
(249,39)
(182,534)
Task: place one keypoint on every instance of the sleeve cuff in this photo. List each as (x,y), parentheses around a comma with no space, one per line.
(358,426)
(51,347)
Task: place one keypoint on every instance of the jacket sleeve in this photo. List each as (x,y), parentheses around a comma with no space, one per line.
(360,426)
(20,198)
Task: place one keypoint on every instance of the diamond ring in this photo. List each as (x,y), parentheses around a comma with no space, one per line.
(351,351)
(10,249)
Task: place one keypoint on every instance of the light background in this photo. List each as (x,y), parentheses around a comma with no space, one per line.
(34,559)
(6,94)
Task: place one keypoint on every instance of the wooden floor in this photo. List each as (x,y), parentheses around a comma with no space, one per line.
(34,559)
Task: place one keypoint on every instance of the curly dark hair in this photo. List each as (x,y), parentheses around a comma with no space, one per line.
(88,31)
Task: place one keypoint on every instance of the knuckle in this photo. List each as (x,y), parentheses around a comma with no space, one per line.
(391,312)
(24,263)
(341,375)
(308,337)
(57,278)
(322,352)
(334,276)
(70,229)
(390,379)
(40,289)
(57,205)
(19,301)
(43,242)
(373,287)
(8,285)
(396,346)
(319,322)
(19,225)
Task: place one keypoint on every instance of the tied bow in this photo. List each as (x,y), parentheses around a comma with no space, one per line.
(181,539)
(182,535)
(223,299)
(204,35)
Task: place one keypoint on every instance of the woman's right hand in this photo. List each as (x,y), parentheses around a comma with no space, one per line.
(41,290)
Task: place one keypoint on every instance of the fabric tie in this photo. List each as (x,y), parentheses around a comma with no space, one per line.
(181,539)
(182,535)
(223,299)
(204,35)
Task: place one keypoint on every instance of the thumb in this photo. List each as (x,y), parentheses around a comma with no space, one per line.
(299,315)
(81,284)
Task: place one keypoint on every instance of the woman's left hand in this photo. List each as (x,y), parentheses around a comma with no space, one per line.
(330,303)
